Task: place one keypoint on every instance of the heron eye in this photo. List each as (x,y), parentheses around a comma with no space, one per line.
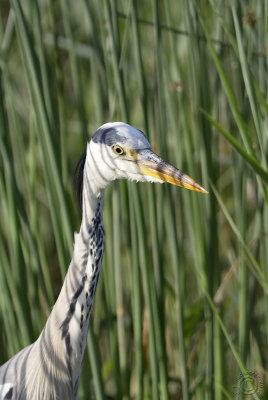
(118,150)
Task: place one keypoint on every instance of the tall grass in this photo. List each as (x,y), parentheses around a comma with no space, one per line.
(181,309)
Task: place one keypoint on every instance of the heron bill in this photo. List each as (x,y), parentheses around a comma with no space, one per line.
(153,165)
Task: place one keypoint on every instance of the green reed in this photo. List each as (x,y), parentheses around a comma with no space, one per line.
(181,307)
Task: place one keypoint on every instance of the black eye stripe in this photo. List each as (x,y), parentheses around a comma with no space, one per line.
(108,136)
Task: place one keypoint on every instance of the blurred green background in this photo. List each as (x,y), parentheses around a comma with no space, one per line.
(181,310)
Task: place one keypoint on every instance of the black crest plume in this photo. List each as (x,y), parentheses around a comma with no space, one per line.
(79,174)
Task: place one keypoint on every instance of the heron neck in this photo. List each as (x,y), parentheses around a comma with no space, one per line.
(73,308)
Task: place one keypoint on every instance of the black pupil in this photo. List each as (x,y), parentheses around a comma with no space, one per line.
(118,150)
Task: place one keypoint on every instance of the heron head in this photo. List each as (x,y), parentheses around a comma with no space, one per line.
(118,150)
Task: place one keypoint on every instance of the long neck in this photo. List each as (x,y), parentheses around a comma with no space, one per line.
(69,320)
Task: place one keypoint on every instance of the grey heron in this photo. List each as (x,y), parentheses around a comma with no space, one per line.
(50,368)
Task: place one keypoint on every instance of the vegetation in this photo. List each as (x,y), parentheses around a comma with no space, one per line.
(182,304)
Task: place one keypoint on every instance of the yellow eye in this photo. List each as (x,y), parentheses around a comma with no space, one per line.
(118,150)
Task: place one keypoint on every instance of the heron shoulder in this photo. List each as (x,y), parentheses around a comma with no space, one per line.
(6,391)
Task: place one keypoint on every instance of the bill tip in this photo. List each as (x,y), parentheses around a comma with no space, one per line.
(202,190)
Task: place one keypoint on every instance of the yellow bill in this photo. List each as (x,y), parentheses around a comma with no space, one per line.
(153,165)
